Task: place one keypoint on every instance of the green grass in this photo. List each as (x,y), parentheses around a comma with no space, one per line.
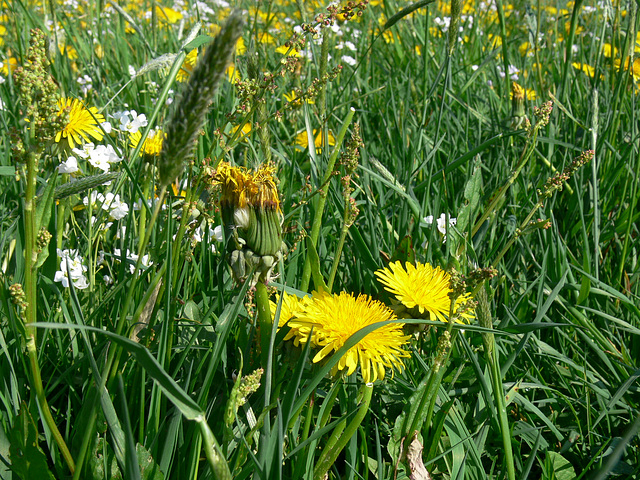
(140,374)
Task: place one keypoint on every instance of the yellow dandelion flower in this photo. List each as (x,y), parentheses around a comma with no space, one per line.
(187,66)
(232,73)
(284,50)
(302,140)
(153,143)
(420,286)
(334,318)
(291,306)
(241,187)
(462,308)
(168,15)
(588,69)
(609,50)
(292,98)
(241,47)
(8,66)
(244,131)
(83,122)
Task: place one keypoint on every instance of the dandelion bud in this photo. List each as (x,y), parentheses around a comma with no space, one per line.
(250,207)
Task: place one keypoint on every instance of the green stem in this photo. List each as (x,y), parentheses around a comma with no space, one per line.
(512,240)
(503,37)
(569,45)
(212,450)
(485,320)
(111,364)
(30,314)
(338,252)
(317,218)
(334,447)
(526,154)
(264,322)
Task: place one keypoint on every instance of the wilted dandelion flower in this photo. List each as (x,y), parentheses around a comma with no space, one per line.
(334,318)
(420,286)
(83,122)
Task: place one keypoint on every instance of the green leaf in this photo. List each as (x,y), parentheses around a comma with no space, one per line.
(168,385)
(192,311)
(556,467)
(404,252)
(472,192)
(6,171)
(148,466)
(27,458)
(103,463)
(318,279)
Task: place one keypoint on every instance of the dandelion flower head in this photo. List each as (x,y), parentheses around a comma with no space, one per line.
(241,187)
(333,318)
(153,143)
(83,122)
(420,286)
(291,306)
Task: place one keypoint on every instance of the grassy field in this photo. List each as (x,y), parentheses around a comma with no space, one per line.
(294,240)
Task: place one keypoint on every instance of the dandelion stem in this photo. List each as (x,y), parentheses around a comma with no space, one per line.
(264,322)
(30,314)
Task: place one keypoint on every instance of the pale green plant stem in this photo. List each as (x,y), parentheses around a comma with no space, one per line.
(512,240)
(212,450)
(317,218)
(322,94)
(629,53)
(60,215)
(433,381)
(338,441)
(484,317)
(142,219)
(264,321)
(30,314)
(526,154)
(569,45)
(338,251)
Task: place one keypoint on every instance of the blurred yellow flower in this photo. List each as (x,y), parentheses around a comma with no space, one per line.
(187,66)
(302,139)
(588,69)
(167,15)
(153,143)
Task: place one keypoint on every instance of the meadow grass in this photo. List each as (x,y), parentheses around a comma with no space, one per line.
(143,291)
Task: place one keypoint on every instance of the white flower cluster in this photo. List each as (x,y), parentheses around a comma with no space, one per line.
(132,259)
(441,224)
(117,209)
(72,268)
(130,121)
